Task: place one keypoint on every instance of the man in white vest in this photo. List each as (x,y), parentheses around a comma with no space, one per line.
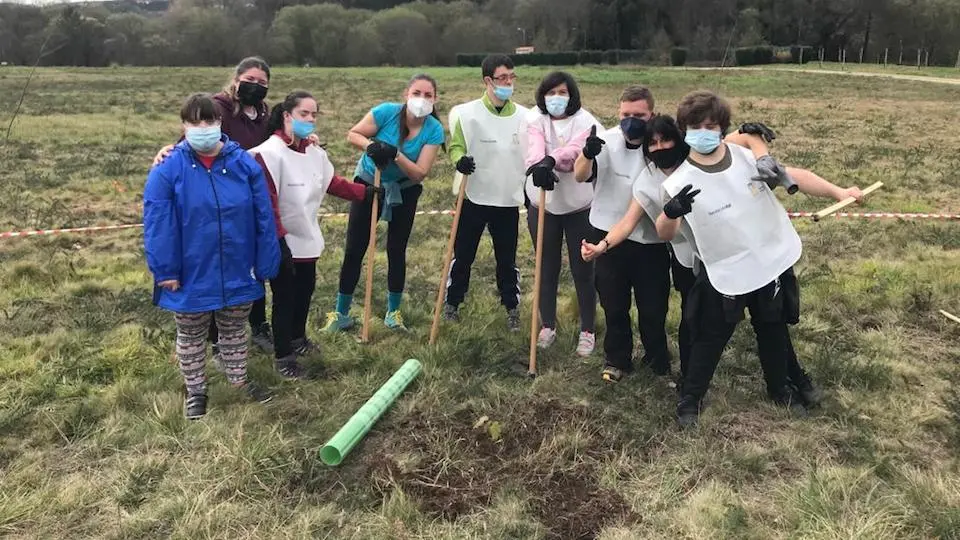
(744,251)
(638,268)
(487,146)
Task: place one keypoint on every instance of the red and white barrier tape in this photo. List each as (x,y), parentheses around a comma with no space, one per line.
(793,215)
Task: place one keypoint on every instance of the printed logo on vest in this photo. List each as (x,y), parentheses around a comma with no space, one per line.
(721,209)
(489,141)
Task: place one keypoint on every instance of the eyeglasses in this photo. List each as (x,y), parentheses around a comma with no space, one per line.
(506,78)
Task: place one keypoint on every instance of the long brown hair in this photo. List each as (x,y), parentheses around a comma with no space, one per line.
(230,89)
(404,128)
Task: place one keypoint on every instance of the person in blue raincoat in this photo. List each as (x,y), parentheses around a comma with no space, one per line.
(402,140)
(210,241)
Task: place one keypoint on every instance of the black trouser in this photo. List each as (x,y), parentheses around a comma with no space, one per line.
(713,317)
(502,224)
(643,269)
(258,316)
(292,292)
(683,280)
(575,227)
(398,233)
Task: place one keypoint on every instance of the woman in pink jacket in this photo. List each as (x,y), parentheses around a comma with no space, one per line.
(557,130)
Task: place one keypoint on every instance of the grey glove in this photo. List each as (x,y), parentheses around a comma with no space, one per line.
(768,169)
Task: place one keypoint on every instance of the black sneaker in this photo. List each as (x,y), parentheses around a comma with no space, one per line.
(304,347)
(688,411)
(288,367)
(262,337)
(812,396)
(195,406)
(451,313)
(513,319)
(660,368)
(260,395)
(790,398)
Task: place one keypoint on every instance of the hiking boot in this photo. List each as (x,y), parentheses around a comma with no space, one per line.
(451,313)
(811,395)
(262,337)
(513,319)
(216,360)
(611,374)
(546,338)
(195,406)
(586,343)
(688,411)
(790,398)
(337,322)
(304,347)
(394,320)
(260,395)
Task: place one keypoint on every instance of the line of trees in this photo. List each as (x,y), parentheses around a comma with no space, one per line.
(375,32)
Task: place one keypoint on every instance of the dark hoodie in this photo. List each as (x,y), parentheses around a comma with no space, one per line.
(239,127)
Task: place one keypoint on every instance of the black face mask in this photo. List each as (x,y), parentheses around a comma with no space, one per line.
(250,93)
(669,158)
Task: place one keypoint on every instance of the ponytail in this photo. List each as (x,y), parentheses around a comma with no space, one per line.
(287,105)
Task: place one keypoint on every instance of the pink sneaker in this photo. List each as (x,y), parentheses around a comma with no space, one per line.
(586,344)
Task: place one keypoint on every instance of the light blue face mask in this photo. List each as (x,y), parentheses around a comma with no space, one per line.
(503,93)
(703,141)
(302,129)
(557,105)
(202,139)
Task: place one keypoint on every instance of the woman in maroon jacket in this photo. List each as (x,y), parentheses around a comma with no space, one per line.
(245,117)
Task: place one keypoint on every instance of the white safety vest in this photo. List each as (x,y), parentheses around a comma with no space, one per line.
(301,181)
(743,235)
(647,191)
(568,196)
(497,145)
(617,169)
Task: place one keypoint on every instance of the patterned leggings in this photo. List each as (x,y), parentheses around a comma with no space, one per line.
(192,347)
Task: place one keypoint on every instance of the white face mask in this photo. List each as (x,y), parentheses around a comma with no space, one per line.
(419,107)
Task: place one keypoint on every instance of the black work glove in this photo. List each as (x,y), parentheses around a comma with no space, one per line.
(543,175)
(372,191)
(756,128)
(466,165)
(381,154)
(286,257)
(593,145)
(681,204)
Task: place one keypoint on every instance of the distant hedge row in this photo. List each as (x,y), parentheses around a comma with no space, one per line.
(744,56)
(676,57)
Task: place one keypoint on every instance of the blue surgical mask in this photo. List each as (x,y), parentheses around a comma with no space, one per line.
(302,129)
(503,93)
(202,139)
(557,105)
(633,128)
(703,141)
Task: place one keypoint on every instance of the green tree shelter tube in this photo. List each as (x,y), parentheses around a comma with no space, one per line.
(360,423)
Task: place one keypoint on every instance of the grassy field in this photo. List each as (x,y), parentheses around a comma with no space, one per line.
(93,442)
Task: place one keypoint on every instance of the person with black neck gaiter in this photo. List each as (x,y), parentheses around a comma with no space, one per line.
(639,267)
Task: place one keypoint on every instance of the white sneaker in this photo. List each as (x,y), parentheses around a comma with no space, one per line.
(586,344)
(546,338)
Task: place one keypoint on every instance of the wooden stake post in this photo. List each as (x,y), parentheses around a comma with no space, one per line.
(371,255)
(447,257)
(844,203)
